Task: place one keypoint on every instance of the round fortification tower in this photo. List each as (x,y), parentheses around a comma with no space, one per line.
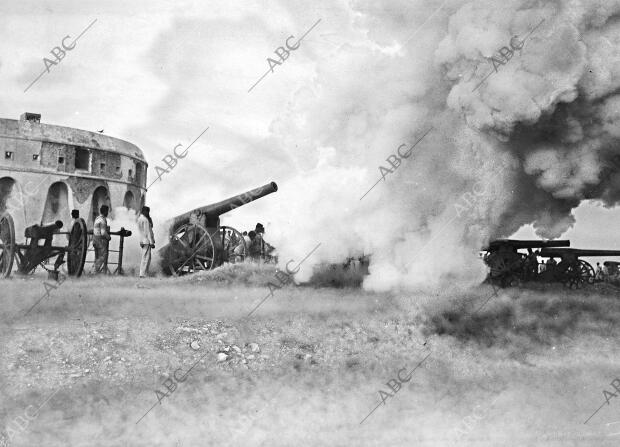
(46,171)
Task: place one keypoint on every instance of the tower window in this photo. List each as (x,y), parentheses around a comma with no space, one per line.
(35,157)
(102,167)
(82,159)
(8,155)
(61,160)
(118,169)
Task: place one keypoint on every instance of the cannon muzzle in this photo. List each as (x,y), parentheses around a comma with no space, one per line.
(219,208)
(43,231)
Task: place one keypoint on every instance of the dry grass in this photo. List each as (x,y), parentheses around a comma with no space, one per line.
(324,354)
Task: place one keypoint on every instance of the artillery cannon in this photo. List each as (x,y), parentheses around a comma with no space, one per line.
(198,242)
(30,254)
(571,271)
(508,267)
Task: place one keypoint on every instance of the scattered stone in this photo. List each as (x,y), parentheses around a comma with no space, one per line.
(254,347)
(250,357)
(222,335)
(194,345)
(222,356)
(236,348)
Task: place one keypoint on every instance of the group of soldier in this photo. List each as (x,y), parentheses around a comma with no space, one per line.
(101,239)
(252,247)
(605,273)
(533,267)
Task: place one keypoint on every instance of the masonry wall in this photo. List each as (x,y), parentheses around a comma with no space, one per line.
(34,161)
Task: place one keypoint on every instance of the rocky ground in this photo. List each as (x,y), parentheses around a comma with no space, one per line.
(114,362)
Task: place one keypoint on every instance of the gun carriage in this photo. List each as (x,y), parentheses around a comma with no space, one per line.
(571,271)
(198,242)
(508,266)
(32,253)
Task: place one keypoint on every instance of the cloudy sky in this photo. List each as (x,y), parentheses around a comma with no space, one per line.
(366,79)
(157,74)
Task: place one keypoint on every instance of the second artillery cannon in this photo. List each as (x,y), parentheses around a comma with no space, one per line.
(571,271)
(196,239)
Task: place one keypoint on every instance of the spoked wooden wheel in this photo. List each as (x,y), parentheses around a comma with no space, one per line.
(504,271)
(587,271)
(574,277)
(7,244)
(193,250)
(230,244)
(77,249)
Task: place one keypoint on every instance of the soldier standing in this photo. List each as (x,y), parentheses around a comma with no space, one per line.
(254,247)
(147,240)
(75,216)
(264,248)
(260,232)
(101,239)
(599,272)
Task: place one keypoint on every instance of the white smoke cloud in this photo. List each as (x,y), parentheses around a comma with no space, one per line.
(534,122)
(525,147)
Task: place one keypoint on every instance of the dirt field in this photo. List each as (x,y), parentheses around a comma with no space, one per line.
(83,367)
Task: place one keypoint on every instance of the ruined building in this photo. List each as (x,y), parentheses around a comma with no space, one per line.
(46,171)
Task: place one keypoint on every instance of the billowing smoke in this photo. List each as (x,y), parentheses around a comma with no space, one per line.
(524,146)
(552,106)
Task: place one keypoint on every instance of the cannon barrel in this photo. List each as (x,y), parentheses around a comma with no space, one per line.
(219,208)
(558,252)
(516,243)
(122,232)
(42,231)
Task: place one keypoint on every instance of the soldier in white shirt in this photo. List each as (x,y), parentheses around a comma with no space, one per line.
(101,239)
(147,240)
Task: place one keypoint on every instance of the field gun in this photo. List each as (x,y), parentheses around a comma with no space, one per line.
(196,239)
(571,271)
(508,266)
(30,254)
